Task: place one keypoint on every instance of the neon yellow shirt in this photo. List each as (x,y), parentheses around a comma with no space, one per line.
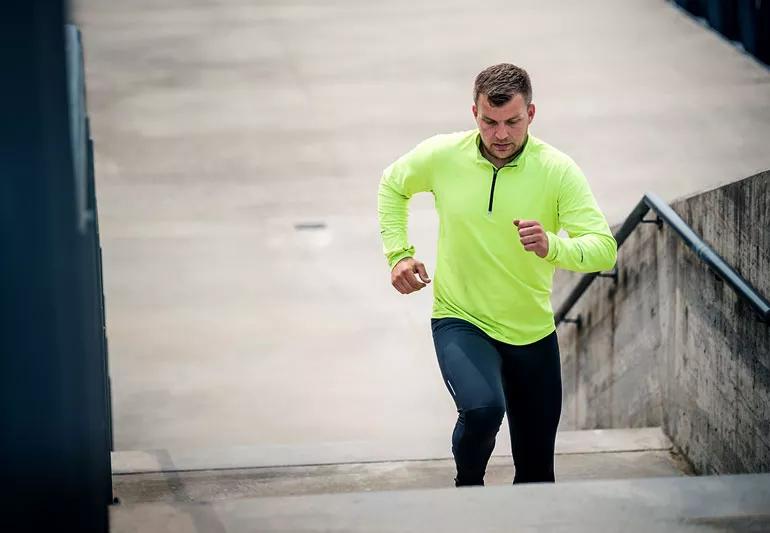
(483,274)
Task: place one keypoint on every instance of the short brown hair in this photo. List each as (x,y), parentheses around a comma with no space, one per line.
(501,82)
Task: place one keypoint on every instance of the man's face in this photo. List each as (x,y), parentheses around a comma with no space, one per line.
(503,129)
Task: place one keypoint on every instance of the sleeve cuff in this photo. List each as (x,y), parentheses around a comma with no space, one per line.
(399,256)
(553,247)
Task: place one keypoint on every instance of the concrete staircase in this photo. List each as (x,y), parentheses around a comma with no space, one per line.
(629,479)
(728,503)
(241,472)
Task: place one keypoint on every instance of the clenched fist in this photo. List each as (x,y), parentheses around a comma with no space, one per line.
(403,276)
(532,236)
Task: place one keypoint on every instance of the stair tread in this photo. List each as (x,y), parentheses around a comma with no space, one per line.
(217,485)
(664,504)
(257,456)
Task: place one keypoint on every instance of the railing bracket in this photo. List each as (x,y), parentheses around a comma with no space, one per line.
(578,321)
(611,274)
(657,221)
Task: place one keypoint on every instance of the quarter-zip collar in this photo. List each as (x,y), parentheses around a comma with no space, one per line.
(512,163)
(517,159)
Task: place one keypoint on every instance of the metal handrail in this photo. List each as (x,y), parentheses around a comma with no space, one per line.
(665,214)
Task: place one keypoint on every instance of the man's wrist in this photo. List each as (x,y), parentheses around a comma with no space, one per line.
(402,260)
(553,247)
(400,257)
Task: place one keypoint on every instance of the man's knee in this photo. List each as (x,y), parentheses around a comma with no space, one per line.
(483,421)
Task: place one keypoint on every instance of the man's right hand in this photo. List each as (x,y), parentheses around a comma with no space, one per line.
(404,276)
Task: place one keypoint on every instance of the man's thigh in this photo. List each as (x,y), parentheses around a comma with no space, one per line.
(469,363)
(532,378)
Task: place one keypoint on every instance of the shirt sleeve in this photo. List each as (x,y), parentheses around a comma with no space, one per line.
(404,178)
(590,246)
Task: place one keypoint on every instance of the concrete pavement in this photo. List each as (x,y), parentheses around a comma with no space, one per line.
(597,441)
(223,474)
(220,128)
(723,503)
(219,485)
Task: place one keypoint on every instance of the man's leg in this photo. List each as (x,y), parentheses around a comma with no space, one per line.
(470,365)
(532,383)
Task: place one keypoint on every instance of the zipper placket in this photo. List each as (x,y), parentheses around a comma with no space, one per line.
(492,190)
(494,182)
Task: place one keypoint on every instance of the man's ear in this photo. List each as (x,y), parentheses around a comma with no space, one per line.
(531,112)
(475,111)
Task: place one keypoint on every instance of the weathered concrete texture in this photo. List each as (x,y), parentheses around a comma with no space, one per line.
(217,485)
(671,342)
(326,453)
(215,475)
(684,504)
(717,397)
(611,364)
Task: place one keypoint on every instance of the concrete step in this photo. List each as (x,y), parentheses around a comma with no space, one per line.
(344,452)
(273,471)
(673,504)
(217,485)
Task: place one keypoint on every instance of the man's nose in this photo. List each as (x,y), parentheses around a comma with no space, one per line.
(501,133)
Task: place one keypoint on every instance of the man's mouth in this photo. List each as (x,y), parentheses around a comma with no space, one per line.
(501,147)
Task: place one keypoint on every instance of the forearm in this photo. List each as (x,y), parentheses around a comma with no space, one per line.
(393,215)
(405,177)
(591,252)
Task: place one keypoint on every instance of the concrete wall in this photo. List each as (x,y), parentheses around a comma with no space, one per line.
(611,363)
(670,344)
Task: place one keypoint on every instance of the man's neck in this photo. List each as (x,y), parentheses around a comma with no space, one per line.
(499,163)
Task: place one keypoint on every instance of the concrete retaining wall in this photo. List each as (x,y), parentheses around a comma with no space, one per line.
(670,344)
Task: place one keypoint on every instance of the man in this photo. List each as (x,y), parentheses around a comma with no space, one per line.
(502,196)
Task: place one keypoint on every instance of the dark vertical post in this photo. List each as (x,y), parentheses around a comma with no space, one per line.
(754,27)
(54,408)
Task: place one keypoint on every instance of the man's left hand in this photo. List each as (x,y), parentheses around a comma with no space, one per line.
(532,236)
